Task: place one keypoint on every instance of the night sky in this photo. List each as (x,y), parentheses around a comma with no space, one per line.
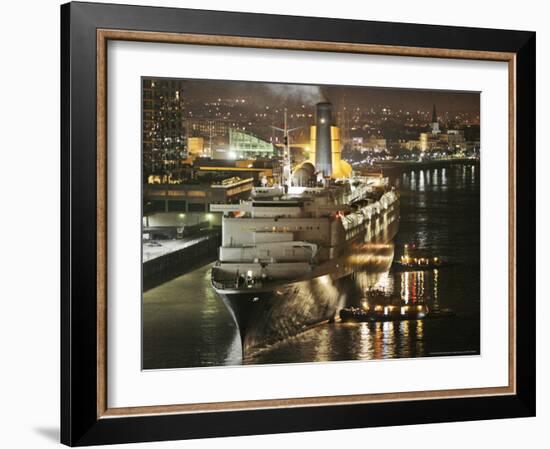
(290,95)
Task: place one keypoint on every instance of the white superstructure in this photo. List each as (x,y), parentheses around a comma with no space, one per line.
(279,236)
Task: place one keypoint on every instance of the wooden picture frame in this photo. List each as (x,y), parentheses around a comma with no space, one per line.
(86,29)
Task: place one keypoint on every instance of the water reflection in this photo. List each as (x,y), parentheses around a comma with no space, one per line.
(440,213)
(186,325)
(345,341)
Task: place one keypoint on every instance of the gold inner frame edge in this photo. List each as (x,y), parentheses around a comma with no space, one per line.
(104,35)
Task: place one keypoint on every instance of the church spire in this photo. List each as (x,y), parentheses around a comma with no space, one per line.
(435,123)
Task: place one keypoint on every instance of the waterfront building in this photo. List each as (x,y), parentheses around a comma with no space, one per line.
(428,141)
(225,140)
(164,133)
(377,143)
(211,131)
(195,196)
(195,147)
(247,146)
(174,205)
(257,169)
(412,145)
(456,139)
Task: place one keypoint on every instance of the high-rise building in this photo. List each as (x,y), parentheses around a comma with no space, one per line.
(164,133)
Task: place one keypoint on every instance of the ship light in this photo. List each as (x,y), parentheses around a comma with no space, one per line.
(404,310)
(419,308)
(386,310)
(435,259)
(378,308)
(249,273)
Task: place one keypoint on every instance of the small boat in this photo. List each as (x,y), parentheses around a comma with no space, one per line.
(422,265)
(414,259)
(384,312)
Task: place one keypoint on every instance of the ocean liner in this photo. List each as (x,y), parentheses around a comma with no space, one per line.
(286,251)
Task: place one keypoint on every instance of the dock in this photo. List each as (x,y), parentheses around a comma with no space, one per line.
(164,260)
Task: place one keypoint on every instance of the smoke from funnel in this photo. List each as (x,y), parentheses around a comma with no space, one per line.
(297,93)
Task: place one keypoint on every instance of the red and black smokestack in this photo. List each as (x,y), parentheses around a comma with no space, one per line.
(323,146)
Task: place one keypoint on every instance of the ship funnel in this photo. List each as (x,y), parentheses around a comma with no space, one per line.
(323,147)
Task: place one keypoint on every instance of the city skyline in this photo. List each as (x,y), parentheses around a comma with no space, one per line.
(314,203)
(294,95)
(224,119)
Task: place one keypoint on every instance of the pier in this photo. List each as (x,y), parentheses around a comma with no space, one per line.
(166,259)
(400,165)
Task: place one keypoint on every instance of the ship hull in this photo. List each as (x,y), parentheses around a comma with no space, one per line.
(264,318)
(267,315)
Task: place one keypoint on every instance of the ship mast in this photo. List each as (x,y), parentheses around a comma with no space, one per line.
(286,178)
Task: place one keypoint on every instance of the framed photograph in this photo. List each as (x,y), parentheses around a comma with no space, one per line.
(283,224)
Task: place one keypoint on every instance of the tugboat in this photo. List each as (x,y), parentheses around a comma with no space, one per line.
(414,259)
(379,306)
(380,312)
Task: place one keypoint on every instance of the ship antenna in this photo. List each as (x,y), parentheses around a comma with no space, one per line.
(287,180)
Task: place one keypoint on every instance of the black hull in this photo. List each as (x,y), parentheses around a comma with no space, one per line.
(263,318)
(267,316)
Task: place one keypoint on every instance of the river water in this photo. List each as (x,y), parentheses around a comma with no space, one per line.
(186,325)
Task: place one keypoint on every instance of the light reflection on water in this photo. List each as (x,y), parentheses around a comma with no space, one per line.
(186,325)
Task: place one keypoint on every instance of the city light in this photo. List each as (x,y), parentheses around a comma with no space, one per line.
(301,197)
